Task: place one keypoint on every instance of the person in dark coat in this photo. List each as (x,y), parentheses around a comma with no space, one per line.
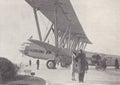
(116,64)
(37,64)
(82,65)
(30,62)
(103,64)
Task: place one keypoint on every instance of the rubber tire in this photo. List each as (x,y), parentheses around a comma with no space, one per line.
(51,61)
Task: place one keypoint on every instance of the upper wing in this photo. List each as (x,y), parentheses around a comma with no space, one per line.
(65,16)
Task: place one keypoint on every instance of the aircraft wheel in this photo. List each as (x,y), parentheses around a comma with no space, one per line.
(51,64)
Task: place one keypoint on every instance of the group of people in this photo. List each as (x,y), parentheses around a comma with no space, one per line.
(79,65)
(101,64)
(37,63)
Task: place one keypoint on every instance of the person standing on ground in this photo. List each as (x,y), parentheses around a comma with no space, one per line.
(104,65)
(116,64)
(30,63)
(74,67)
(82,65)
(37,64)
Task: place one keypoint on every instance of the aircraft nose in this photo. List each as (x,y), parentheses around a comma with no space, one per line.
(22,51)
(23,48)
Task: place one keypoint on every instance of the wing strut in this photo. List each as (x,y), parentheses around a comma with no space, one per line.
(85,46)
(63,37)
(55,27)
(37,24)
(48,32)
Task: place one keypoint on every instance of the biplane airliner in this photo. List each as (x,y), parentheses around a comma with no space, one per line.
(68,33)
(36,51)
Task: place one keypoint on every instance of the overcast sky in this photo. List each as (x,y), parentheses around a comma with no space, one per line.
(100,20)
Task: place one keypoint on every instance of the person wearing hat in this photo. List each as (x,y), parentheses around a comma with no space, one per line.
(82,65)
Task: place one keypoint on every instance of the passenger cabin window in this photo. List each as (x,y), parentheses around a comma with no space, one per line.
(37,51)
(48,52)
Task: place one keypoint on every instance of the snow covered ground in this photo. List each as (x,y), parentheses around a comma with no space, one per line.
(62,76)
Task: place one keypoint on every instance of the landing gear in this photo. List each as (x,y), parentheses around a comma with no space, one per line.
(51,64)
(65,61)
(64,65)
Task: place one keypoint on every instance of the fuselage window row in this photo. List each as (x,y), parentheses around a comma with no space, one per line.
(39,51)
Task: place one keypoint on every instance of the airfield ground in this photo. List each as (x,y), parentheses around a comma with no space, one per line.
(62,76)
